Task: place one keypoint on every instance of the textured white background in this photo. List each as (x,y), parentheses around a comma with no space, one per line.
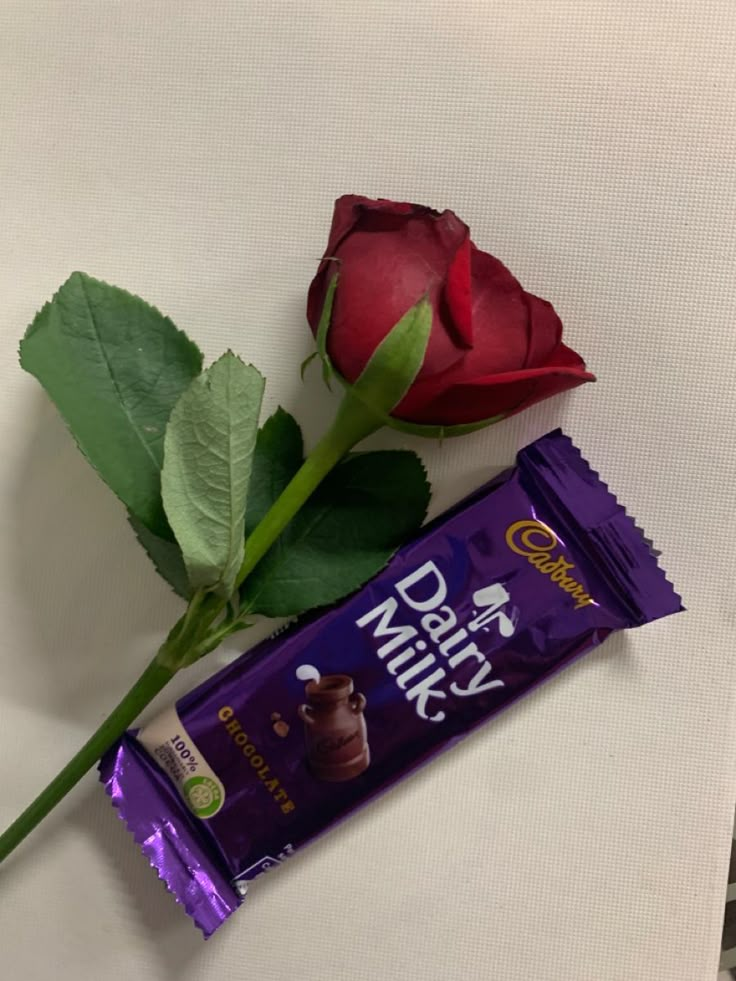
(190,151)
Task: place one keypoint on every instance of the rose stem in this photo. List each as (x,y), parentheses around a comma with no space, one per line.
(189,635)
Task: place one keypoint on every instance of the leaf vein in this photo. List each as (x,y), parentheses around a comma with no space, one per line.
(113,378)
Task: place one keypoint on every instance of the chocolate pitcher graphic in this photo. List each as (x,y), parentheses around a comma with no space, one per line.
(334,728)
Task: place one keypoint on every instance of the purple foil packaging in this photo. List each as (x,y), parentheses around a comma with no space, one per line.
(532,571)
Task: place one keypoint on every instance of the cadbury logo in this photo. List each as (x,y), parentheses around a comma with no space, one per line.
(537,543)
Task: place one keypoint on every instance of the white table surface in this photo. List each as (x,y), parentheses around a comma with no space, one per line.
(191,152)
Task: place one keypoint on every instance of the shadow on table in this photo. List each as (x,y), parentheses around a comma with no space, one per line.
(169,932)
(89,598)
(177,944)
(615,653)
(93,608)
(90,608)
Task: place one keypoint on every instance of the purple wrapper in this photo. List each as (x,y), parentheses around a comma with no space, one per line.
(493,598)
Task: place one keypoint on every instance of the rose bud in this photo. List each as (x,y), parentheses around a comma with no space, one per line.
(493,349)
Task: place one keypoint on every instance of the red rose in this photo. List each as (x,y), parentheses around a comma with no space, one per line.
(494,349)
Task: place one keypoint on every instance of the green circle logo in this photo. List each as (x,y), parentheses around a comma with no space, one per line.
(203,796)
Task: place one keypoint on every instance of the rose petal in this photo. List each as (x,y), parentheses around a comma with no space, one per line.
(388,260)
(346,214)
(458,293)
(500,319)
(350,208)
(545,331)
(565,356)
(483,398)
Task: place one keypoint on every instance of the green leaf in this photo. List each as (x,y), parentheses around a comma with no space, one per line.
(429,431)
(278,455)
(306,363)
(166,557)
(396,362)
(208,453)
(323,326)
(115,367)
(344,534)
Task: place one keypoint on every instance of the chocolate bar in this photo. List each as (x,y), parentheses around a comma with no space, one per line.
(532,571)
